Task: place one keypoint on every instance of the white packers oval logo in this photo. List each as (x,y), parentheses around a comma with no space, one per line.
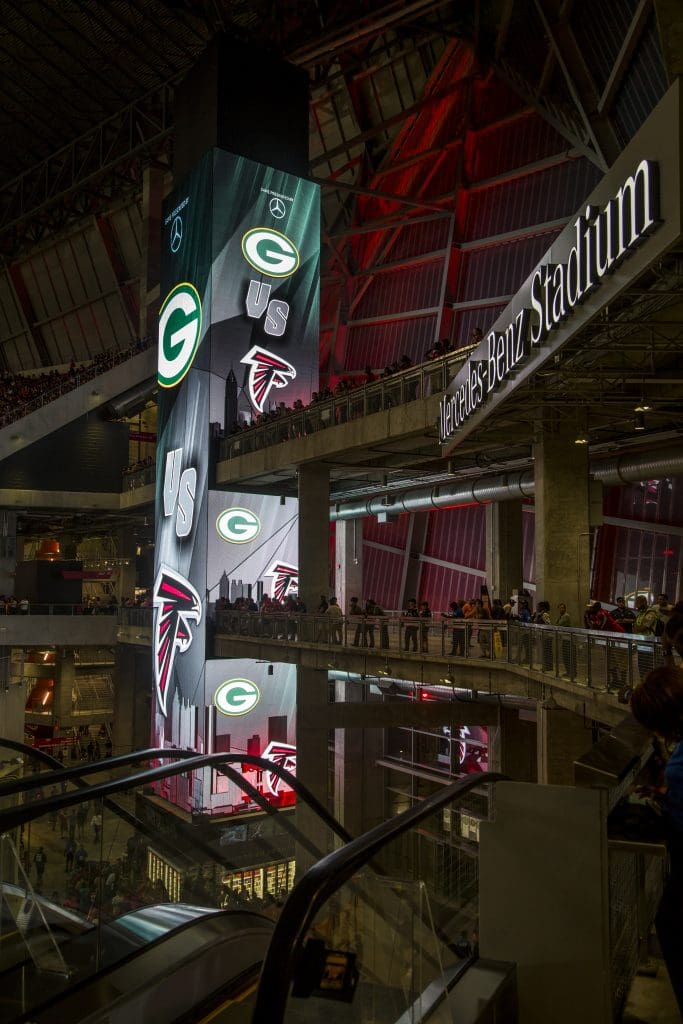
(238,525)
(180,328)
(270,252)
(236,697)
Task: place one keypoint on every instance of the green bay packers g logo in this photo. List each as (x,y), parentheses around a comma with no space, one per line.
(238,525)
(236,697)
(180,327)
(270,252)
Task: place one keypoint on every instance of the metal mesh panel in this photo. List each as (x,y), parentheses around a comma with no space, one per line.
(623,924)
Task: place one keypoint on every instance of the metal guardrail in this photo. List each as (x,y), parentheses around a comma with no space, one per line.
(52,608)
(396,389)
(592,658)
(68,383)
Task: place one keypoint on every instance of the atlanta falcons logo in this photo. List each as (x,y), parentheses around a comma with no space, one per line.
(266,371)
(285,579)
(284,755)
(176,604)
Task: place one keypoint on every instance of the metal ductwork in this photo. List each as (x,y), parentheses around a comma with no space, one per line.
(632,468)
(132,401)
(617,471)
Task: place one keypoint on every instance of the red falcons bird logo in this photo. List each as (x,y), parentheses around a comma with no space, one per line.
(266,371)
(285,578)
(176,605)
(284,755)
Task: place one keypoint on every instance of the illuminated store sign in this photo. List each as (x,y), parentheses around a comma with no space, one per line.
(595,246)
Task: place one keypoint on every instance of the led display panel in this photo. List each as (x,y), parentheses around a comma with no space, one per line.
(238,335)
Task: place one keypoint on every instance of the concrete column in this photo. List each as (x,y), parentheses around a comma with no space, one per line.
(504,567)
(517,754)
(133,688)
(8,551)
(417,534)
(314,532)
(12,700)
(348,570)
(562,498)
(65,679)
(358,783)
(562,738)
(126,550)
(312,686)
(152,197)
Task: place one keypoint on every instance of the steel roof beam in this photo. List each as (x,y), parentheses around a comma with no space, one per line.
(580,83)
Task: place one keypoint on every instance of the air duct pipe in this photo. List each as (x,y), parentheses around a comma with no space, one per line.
(616,471)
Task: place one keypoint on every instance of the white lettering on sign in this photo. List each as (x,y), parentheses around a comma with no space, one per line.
(179,490)
(602,240)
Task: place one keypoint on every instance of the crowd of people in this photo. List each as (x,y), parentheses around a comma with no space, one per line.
(91,604)
(439,350)
(22,393)
(466,622)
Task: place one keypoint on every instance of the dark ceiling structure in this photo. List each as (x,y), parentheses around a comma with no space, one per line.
(453,141)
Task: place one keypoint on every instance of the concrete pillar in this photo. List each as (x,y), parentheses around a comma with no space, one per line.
(517,754)
(348,570)
(12,700)
(562,498)
(126,551)
(152,197)
(562,738)
(314,532)
(504,566)
(358,783)
(133,688)
(412,568)
(64,688)
(8,551)
(312,741)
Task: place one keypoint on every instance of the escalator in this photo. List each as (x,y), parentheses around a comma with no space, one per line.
(361,936)
(149,924)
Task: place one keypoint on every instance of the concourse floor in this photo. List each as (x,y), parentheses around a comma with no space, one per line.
(651,999)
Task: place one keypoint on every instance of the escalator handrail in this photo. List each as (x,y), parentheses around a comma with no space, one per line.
(323,879)
(13,817)
(75,775)
(62,774)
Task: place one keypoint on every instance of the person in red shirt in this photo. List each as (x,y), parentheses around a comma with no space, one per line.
(597,617)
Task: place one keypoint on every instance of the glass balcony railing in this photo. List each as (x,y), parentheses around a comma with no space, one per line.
(595,659)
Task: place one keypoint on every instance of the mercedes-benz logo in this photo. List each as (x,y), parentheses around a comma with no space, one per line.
(176,233)
(277,208)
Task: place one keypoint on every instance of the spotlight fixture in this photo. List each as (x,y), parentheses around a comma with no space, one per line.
(386,671)
(642,406)
(639,421)
(582,438)
(448,679)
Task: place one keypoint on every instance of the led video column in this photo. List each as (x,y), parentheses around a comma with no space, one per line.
(238,333)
